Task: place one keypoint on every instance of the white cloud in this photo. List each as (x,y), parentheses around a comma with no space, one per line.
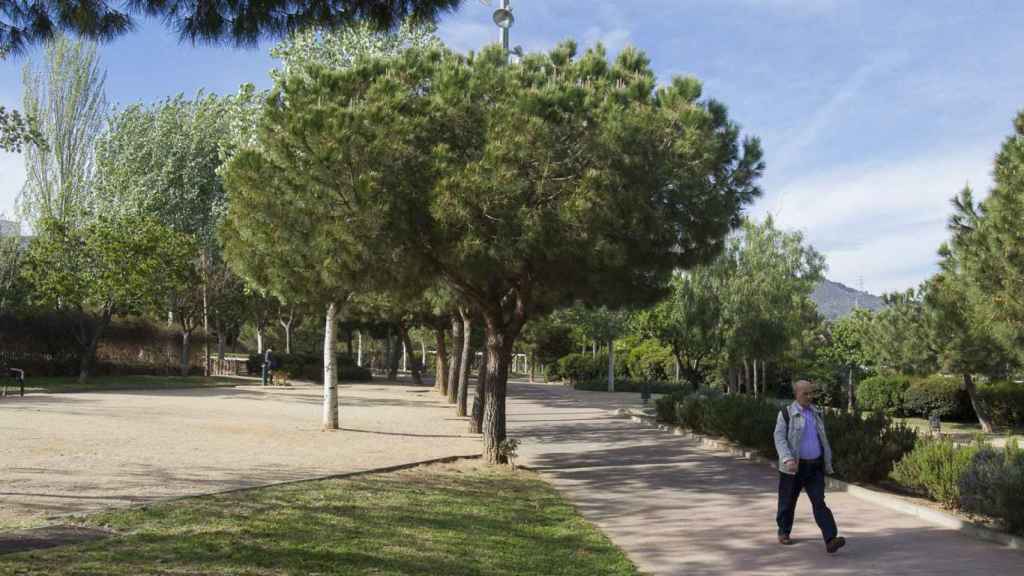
(880,221)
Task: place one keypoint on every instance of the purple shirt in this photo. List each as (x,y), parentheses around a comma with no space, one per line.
(810,446)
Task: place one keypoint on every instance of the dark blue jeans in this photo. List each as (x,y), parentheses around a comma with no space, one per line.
(809,477)
(268,374)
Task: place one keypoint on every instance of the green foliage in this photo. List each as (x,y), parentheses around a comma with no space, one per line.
(934,468)
(650,361)
(865,448)
(112,265)
(903,335)
(1004,402)
(993,484)
(65,96)
(634,386)
(939,395)
(17,131)
(240,24)
(665,406)
(883,393)
(987,246)
(689,319)
(310,367)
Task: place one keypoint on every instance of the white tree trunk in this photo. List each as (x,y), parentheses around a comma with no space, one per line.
(611,366)
(330,370)
(405,358)
(757,391)
(359,350)
(259,340)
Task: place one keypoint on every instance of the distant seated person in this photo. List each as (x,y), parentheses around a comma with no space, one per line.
(268,366)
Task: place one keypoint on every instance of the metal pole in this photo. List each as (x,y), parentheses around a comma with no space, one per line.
(505,32)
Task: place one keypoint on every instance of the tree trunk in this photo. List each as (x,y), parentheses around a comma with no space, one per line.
(463,393)
(287,333)
(456,367)
(499,348)
(393,356)
(221,338)
(417,378)
(206,332)
(441,364)
(186,345)
(533,367)
(755,379)
(89,341)
(259,339)
(593,349)
(851,401)
(479,396)
(330,416)
(980,410)
(611,366)
(359,353)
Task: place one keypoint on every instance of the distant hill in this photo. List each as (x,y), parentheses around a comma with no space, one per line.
(836,300)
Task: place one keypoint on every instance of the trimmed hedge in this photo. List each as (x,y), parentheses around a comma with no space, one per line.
(1005,403)
(578,367)
(939,395)
(863,449)
(626,385)
(883,394)
(311,367)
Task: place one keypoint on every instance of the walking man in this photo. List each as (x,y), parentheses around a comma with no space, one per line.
(268,366)
(804,458)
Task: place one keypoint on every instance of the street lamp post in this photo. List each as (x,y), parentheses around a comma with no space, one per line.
(503,19)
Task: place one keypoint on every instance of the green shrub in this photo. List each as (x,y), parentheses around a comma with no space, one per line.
(742,419)
(883,393)
(626,385)
(1005,403)
(865,448)
(310,367)
(665,407)
(938,395)
(690,413)
(934,469)
(651,361)
(993,484)
(576,368)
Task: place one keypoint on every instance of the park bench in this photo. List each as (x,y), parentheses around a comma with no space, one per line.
(19,378)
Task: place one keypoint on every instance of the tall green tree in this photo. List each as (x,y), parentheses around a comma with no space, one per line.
(690,319)
(525,187)
(969,333)
(600,324)
(106,267)
(770,276)
(17,131)
(987,241)
(902,336)
(65,95)
(847,349)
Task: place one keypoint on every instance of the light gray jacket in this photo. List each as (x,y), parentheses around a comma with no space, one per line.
(787,444)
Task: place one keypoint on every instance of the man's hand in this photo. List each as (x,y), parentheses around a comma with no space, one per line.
(790,466)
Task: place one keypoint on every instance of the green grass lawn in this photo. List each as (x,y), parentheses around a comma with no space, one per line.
(99,383)
(451,519)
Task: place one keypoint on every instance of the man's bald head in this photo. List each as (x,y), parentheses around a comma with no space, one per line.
(804,392)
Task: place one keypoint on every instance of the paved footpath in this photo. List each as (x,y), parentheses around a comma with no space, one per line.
(676,508)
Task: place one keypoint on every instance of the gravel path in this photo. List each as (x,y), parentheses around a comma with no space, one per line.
(69,453)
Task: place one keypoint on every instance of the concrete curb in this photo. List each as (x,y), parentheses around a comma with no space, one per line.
(884,499)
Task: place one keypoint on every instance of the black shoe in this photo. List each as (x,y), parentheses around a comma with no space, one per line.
(785,540)
(835,544)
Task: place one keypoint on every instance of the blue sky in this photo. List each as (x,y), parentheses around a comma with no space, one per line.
(872,113)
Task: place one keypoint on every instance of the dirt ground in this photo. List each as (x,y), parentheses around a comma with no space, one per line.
(70,453)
